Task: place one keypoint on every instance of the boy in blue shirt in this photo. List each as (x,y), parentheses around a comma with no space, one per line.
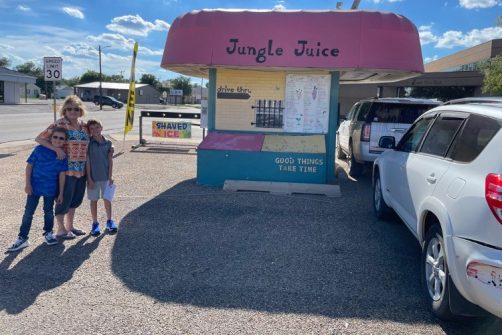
(44,173)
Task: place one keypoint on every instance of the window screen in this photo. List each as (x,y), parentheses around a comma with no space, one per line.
(440,136)
(477,133)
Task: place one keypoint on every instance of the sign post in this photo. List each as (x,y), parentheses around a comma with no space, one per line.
(176,94)
(53,71)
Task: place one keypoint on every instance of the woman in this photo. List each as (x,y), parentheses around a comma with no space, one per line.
(75,150)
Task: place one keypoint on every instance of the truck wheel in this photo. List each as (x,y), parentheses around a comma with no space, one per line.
(355,168)
(339,152)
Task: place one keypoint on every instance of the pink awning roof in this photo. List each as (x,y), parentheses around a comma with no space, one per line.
(362,45)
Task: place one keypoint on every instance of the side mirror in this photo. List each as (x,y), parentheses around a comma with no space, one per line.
(387,142)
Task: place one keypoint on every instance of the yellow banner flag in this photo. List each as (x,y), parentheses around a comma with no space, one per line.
(131,97)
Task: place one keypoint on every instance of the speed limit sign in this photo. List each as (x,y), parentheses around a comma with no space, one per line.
(53,68)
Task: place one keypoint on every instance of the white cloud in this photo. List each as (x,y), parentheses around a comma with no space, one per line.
(6,47)
(430,59)
(426,35)
(472,4)
(23,8)
(279,5)
(150,52)
(116,41)
(81,49)
(75,12)
(452,38)
(136,25)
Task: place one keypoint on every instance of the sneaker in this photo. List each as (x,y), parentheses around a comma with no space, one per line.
(78,232)
(19,244)
(111,226)
(50,239)
(95,231)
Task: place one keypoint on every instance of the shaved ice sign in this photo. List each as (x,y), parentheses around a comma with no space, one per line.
(172,129)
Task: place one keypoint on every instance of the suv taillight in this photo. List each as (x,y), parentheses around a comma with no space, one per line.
(493,194)
(366,132)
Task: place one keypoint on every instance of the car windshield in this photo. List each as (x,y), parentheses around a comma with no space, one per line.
(397,113)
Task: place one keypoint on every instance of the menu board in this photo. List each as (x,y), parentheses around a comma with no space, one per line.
(307,103)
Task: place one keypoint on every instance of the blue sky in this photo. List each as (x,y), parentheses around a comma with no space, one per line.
(32,29)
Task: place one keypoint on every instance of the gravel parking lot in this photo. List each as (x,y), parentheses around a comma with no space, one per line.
(195,260)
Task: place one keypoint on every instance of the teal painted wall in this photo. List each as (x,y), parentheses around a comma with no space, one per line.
(216,166)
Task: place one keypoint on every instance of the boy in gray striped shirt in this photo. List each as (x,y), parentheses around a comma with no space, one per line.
(99,175)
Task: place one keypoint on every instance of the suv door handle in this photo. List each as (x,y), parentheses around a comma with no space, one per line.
(431,179)
(397,130)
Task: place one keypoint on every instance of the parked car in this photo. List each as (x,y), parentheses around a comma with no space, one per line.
(359,134)
(444,180)
(107,101)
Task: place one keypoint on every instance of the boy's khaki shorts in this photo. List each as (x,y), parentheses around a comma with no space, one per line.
(97,192)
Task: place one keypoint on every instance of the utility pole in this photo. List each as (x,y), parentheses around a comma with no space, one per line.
(100,82)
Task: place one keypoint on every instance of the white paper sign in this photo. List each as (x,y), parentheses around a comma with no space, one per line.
(307,103)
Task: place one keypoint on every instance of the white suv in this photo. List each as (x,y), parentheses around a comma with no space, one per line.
(358,136)
(444,180)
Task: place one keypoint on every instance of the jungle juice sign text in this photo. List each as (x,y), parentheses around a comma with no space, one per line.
(303,48)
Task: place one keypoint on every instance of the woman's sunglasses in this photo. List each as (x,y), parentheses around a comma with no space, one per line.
(54,137)
(75,109)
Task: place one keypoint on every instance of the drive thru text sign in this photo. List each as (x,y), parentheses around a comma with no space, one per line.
(53,68)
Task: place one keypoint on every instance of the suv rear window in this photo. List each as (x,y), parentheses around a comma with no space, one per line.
(473,138)
(396,113)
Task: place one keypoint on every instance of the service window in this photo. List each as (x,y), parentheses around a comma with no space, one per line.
(412,138)
(473,138)
(438,140)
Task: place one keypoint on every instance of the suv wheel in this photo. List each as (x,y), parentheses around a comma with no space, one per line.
(115,106)
(435,273)
(355,168)
(96,103)
(379,205)
(339,152)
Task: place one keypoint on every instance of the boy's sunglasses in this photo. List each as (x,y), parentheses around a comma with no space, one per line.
(75,109)
(58,138)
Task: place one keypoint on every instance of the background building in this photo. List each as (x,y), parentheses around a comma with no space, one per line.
(145,94)
(456,70)
(11,83)
(29,91)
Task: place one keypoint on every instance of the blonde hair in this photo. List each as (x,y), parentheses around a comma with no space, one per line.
(72,100)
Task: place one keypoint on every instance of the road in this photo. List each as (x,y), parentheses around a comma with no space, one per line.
(25,122)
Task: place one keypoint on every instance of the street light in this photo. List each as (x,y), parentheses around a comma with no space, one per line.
(101,78)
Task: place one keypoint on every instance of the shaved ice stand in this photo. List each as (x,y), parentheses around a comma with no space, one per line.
(274,81)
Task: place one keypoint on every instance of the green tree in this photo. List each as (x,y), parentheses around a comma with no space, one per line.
(90,76)
(150,79)
(443,93)
(4,61)
(31,69)
(72,81)
(116,78)
(492,69)
(182,83)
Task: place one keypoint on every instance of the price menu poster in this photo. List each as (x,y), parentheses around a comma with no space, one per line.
(307,103)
